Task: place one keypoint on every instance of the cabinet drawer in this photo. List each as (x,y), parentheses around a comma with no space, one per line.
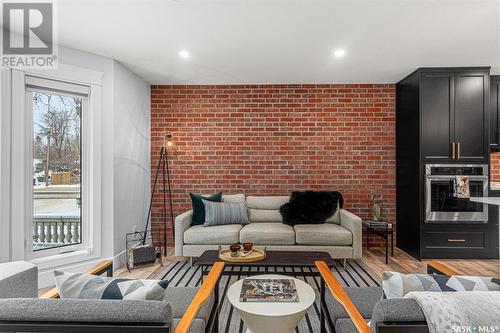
(441,239)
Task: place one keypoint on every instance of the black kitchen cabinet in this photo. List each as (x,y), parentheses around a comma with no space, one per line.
(471,117)
(442,117)
(437,115)
(454,109)
(495,112)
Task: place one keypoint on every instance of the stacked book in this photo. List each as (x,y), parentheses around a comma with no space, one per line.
(376,224)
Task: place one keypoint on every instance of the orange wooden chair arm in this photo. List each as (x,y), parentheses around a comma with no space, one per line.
(200,298)
(98,269)
(341,296)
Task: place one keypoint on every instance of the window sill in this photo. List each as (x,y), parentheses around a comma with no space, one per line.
(63,259)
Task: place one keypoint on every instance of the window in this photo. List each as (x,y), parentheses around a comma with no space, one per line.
(58,116)
(80,91)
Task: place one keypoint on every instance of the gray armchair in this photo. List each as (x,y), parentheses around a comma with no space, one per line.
(353,310)
(363,310)
(183,310)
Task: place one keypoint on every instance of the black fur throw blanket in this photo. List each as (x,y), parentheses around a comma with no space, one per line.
(310,207)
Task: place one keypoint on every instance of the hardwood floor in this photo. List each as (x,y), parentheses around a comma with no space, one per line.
(404,263)
(400,262)
(484,267)
(146,271)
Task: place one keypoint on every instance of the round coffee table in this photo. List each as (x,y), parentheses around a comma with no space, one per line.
(265,317)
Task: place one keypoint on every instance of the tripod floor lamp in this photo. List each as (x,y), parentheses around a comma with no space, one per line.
(163,168)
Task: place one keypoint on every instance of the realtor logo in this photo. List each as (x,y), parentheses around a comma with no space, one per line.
(28,35)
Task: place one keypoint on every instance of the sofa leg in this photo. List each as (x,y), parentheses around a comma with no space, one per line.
(190,262)
(344,262)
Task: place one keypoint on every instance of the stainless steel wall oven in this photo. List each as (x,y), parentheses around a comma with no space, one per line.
(441,205)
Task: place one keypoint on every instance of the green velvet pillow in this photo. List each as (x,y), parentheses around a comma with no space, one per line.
(199,207)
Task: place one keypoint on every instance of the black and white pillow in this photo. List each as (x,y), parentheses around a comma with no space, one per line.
(86,286)
(397,285)
(221,213)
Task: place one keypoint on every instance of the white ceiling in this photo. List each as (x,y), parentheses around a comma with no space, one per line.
(283,41)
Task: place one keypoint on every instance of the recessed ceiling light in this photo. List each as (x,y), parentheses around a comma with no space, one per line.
(184,54)
(339,53)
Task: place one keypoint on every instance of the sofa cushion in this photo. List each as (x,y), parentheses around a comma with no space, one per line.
(335,218)
(267,234)
(364,299)
(84,310)
(233,198)
(220,234)
(265,208)
(87,286)
(222,213)
(345,325)
(264,215)
(179,299)
(197,325)
(322,234)
(199,208)
(273,202)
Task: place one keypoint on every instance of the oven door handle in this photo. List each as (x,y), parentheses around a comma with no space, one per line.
(444,177)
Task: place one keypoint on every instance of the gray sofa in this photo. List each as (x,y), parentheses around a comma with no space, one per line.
(340,236)
(384,315)
(22,311)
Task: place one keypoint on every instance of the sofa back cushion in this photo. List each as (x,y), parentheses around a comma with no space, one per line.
(335,218)
(264,215)
(238,198)
(265,208)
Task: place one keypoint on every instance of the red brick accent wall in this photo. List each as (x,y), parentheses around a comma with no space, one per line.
(274,139)
(495,167)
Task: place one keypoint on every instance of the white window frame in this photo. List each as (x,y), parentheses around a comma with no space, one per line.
(85,221)
(21,165)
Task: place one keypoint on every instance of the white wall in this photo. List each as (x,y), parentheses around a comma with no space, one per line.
(131,142)
(5,248)
(125,175)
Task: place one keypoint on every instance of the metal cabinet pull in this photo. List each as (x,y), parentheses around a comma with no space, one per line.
(458,150)
(456,240)
(453,150)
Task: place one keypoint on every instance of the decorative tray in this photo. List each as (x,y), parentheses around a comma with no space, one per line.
(255,255)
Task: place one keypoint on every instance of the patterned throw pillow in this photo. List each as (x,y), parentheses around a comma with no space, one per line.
(199,208)
(397,285)
(86,286)
(220,213)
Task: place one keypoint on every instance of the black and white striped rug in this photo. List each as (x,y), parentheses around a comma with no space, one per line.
(182,274)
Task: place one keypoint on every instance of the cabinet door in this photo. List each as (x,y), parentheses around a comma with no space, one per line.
(494,112)
(471,116)
(437,116)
